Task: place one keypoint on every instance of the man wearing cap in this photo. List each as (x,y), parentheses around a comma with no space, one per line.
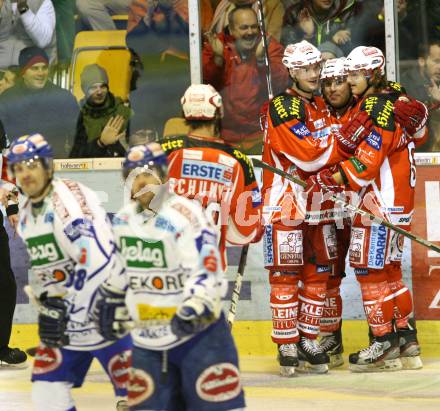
(36,104)
(26,23)
(102,128)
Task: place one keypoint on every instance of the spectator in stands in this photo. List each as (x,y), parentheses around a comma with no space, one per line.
(158,33)
(25,23)
(330,50)
(319,20)
(273,15)
(97,13)
(102,129)
(423,83)
(37,105)
(234,65)
(7,78)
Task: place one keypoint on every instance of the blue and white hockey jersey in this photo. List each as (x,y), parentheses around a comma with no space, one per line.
(72,251)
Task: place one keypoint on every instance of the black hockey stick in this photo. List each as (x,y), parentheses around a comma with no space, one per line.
(237,285)
(350,207)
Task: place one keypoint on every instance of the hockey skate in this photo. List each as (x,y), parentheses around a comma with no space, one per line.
(382,355)
(288,359)
(409,349)
(13,358)
(312,359)
(331,344)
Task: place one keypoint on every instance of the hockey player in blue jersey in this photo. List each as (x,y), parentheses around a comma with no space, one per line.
(72,252)
(184,357)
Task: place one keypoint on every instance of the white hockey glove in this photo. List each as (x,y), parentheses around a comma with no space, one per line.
(193,316)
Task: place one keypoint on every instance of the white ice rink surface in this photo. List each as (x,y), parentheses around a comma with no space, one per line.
(339,390)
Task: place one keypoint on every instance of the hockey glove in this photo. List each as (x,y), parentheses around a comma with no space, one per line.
(192,317)
(52,321)
(411,114)
(323,182)
(352,133)
(110,312)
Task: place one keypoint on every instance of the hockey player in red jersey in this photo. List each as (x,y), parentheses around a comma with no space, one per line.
(382,169)
(297,141)
(221,177)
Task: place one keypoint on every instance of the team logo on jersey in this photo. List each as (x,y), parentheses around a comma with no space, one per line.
(377,246)
(374,140)
(48,218)
(164,224)
(143,254)
(43,249)
(290,247)
(219,382)
(140,387)
(207,171)
(356,249)
(300,130)
(46,360)
(119,368)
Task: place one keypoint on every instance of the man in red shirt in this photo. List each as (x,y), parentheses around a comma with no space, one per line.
(234,65)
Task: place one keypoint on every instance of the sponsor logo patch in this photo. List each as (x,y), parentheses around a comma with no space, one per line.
(356,249)
(290,247)
(43,249)
(207,171)
(357,164)
(374,140)
(268,245)
(377,246)
(218,383)
(300,130)
(140,387)
(143,254)
(256,197)
(119,368)
(331,245)
(147,312)
(157,282)
(46,360)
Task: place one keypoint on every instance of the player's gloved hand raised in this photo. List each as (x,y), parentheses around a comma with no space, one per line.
(192,317)
(411,114)
(110,312)
(353,132)
(52,321)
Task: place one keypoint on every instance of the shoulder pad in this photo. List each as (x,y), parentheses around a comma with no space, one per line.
(173,143)
(285,107)
(245,163)
(380,108)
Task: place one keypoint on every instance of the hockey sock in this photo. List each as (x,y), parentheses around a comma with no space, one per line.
(378,306)
(311,305)
(403,304)
(332,313)
(284,306)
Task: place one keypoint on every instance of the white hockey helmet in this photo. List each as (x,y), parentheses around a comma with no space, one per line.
(333,68)
(365,58)
(201,102)
(300,55)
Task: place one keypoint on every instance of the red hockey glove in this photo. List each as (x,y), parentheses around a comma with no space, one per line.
(323,182)
(353,132)
(411,114)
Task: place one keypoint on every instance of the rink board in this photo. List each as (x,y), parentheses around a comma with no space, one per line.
(421,266)
(253,337)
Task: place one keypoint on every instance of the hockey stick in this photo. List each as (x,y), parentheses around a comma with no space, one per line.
(350,207)
(237,285)
(265,48)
